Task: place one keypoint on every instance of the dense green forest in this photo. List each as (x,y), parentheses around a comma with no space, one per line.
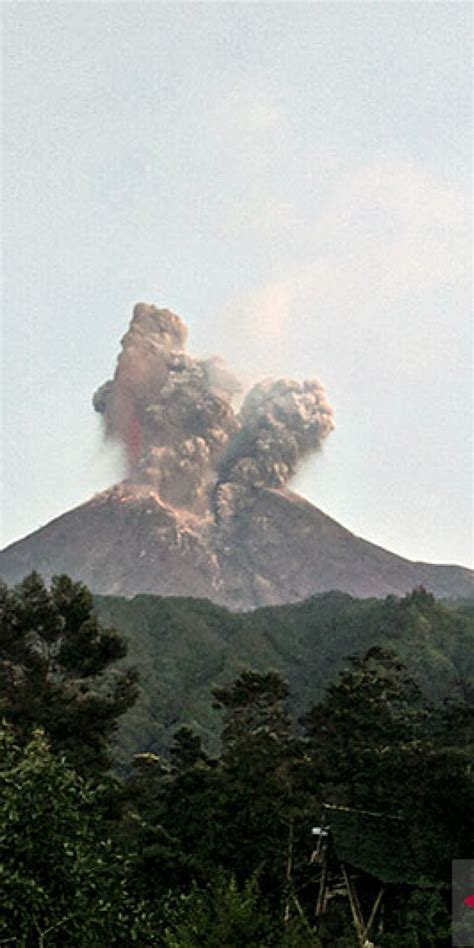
(329,781)
(183,648)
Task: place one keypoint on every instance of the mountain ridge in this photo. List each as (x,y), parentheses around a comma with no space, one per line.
(279,548)
(185,647)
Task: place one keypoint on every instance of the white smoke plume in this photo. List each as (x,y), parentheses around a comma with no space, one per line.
(174,415)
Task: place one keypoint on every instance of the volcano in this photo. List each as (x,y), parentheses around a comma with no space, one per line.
(206,510)
(277,549)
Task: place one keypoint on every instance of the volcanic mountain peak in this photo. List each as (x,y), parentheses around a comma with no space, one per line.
(205,511)
(278,549)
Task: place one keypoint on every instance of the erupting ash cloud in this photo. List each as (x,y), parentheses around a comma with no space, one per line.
(174,415)
(171,411)
(281,422)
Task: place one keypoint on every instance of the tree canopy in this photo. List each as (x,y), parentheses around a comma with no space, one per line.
(206,847)
(58,671)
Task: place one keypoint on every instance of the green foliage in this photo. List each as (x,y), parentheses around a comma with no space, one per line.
(260,803)
(241,813)
(62,882)
(376,745)
(55,660)
(170,820)
(184,648)
(253,704)
(418,920)
(364,727)
(373,741)
(222,914)
(214,850)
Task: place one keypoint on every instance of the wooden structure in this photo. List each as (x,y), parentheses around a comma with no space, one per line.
(354,844)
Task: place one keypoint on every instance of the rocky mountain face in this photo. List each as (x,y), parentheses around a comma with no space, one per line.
(278,548)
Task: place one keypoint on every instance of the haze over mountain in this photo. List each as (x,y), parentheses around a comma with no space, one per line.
(206,510)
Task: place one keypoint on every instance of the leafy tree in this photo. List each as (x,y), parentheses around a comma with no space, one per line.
(363,730)
(262,811)
(254,704)
(377,746)
(170,817)
(55,673)
(62,880)
(241,813)
(454,722)
(215,850)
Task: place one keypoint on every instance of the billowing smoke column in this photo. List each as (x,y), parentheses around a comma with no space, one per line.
(281,423)
(171,411)
(174,415)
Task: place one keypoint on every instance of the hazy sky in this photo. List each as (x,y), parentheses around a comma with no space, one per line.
(294,179)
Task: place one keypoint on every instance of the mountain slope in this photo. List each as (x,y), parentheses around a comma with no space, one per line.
(184,647)
(277,549)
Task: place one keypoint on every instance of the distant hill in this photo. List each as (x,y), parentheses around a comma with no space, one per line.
(184,647)
(278,548)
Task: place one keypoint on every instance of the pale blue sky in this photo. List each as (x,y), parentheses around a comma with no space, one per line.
(294,179)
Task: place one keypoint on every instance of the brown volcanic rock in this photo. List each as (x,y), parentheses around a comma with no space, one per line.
(279,549)
(123,541)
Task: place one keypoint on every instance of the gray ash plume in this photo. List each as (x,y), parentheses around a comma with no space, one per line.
(174,415)
(281,423)
(172,412)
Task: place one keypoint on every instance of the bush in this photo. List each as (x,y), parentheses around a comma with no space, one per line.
(222,914)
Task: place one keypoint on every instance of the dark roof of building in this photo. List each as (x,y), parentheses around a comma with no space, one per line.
(375,843)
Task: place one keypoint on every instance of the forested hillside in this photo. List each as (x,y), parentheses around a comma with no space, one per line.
(184,647)
(199,849)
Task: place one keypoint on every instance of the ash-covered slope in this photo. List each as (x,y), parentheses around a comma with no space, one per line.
(278,549)
(205,510)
